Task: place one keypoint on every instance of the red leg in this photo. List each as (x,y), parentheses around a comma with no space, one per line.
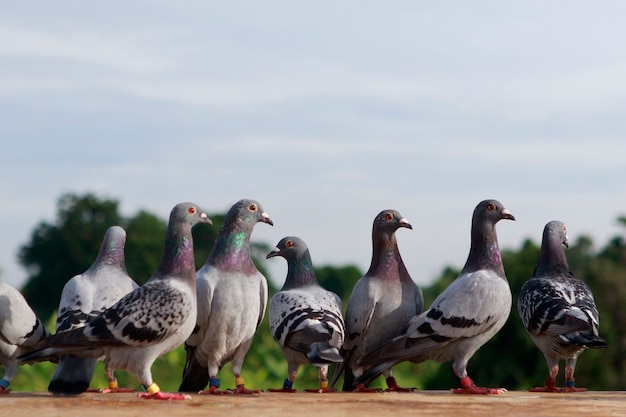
(468,387)
(363,388)
(393,386)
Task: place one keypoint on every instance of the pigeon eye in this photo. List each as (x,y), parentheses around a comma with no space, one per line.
(491,207)
(192,210)
(252,207)
(289,244)
(388,216)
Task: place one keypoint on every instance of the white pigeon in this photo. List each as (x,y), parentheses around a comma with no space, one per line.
(84,297)
(558,310)
(469,312)
(232,297)
(20,329)
(147,322)
(305,319)
(381,304)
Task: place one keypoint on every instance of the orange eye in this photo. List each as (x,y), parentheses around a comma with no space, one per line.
(252,207)
(388,216)
(491,207)
(192,210)
(289,244)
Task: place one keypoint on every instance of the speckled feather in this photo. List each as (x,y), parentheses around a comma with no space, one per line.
(85,297)
(149,321)
(305,319)
(558,310)
(19,329)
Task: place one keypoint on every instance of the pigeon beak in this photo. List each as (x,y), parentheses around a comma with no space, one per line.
(274,252)
(266,219)
(405,223)
(205,219)
(566,242)
(507,215)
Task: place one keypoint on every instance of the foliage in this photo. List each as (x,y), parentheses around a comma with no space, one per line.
(60,250)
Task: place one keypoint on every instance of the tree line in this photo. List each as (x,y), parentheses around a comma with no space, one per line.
(57,251)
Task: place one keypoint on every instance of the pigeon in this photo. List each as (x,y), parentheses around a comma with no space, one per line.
(147,322)
(558,310)
(469,312)
(381,305)
(232,297)
(84,297)
(305,319)
(20,329)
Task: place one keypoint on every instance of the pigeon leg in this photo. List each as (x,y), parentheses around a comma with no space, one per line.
(323,378)
(214,388)
(113,387)
(287,384)
(468,387)
(153,392)
(4,386)
(393,386)
(241,386)
(570,367)
(550,386)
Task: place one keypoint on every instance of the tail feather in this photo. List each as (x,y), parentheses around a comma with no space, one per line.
(195,376)
(72,375)
(323,354)
(587,338)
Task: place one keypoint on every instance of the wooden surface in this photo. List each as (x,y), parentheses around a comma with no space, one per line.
(423,403)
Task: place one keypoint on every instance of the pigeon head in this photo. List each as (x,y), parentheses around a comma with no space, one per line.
(390,221)
(299,265)
(556,231)
(178,259)
(552,259)
(249,212)
(484,250)
(112,248)
(187,215)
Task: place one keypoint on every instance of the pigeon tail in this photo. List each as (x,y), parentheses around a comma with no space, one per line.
(587,339)
(195,376)
(323,354)
(370,375)
(72,375)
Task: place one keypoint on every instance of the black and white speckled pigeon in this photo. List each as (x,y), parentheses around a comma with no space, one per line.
(558,310)
(469,312)
(305,319)
(147,322)
(20,329)
(84,297)
(381,305)
(232,297)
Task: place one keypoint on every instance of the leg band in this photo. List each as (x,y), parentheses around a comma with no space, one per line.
(152,389)
(287,384)
(214,382)
(239,381)
(4,383)
(569,383)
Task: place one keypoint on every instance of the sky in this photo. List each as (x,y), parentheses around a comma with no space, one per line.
(325,112)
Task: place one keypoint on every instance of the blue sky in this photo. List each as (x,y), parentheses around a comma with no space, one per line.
(326,113)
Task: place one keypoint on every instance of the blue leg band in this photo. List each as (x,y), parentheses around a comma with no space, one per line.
(287,384)
(214,382)
(569,383)
(4,383)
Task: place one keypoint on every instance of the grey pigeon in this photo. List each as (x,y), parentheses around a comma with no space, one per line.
(381,305)
(20,329)
(147,322)
(305,319)
(232,297)
(558,310)
(469,312)
(84,297)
